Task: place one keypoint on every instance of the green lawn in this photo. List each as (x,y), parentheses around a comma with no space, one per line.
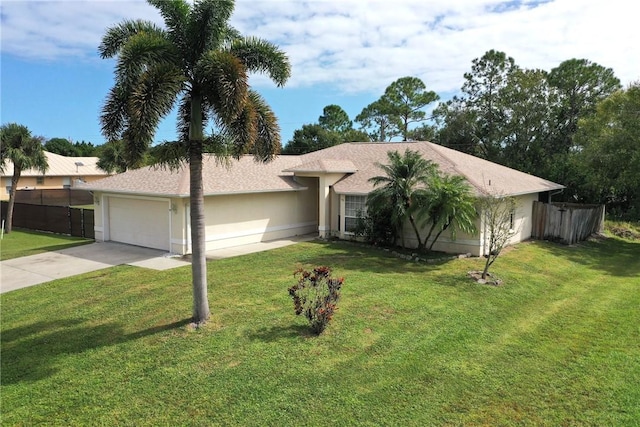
(21,243)
(411,344)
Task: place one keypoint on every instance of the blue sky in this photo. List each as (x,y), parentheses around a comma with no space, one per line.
(342,52)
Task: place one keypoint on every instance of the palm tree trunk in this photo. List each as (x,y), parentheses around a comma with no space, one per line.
(433,227)
(198,231)
(433,242)
(415,230)
(8,226)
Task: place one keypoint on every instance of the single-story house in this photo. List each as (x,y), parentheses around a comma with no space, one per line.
(320,192)
(63,172)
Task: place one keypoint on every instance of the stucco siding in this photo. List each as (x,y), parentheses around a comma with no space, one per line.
(234,220)
(523,218)
(49,182)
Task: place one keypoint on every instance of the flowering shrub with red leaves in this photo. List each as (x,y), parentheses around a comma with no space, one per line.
(316,295)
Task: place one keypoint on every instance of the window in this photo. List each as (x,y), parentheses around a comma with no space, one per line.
(8,185)
(353,206)
(512,222)
(40,180)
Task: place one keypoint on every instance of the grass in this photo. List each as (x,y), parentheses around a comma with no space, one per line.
(623,229)
(21,243)
(412,344)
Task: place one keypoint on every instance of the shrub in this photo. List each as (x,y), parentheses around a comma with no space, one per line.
(316,295)
(375,227)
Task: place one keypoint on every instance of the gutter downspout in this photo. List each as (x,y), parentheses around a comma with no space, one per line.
(555,192)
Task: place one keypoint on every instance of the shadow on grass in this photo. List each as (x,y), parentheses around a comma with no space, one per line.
(371,259)
(29,353)
(613,256)
(276,333)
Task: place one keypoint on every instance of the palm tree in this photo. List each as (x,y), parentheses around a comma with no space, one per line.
(201,64)
(25,152)
(404,184)
(111,158)
(449,204)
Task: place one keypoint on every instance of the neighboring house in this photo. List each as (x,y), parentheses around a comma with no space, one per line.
(319,192)
(63,172)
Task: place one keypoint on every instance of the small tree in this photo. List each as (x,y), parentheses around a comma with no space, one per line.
(449,204)
(404,184)
(497,212)
(25,151)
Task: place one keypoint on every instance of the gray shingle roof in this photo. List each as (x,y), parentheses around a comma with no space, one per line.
(357,160)
(239,176)
(482,175)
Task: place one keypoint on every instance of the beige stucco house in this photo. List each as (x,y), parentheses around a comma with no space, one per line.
(63,172)
(319,192)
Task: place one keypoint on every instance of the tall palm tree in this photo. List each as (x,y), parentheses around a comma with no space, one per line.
(404,184)
(201,64)
(449,204)
(25,152)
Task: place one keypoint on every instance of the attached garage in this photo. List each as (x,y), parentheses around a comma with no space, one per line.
(248,202)
(140,222)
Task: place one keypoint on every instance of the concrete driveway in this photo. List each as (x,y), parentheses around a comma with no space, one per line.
(27,271)
(32,270)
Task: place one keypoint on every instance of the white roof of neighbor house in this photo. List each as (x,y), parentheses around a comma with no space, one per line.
(358,161)
(62,166)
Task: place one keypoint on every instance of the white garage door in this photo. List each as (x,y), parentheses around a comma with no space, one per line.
(139,222)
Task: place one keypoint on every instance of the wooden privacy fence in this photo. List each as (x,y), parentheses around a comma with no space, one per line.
(55,197)
(56,219)
(566,222)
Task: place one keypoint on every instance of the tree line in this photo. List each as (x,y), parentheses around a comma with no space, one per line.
(574,125)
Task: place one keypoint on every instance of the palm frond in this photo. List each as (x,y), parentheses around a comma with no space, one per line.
(21,148)
(12,137)
(224,84)
(169,154)
(112,157)
(142,51)
(267,142)
(262,56)
(152,98)
(117,36)
(207,27)
(175,14)
(242,130)
(114,112)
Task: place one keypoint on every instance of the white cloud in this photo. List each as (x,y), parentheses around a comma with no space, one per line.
(361,46)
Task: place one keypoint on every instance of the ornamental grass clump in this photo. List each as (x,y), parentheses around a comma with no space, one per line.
(316,295)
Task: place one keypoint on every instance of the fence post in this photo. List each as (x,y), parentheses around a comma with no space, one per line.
(82,222)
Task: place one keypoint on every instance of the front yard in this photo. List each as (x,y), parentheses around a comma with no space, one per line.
(21,243)
(412,344)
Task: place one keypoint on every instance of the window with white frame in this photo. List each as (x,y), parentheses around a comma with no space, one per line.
(40,180)
(354,206)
